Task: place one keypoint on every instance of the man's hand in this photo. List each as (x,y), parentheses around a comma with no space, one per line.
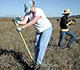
(14,20)
(72,22)
(19,29)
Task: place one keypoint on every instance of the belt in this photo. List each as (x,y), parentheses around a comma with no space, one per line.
(64,29)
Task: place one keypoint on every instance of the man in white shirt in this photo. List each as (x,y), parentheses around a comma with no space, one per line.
(43,30)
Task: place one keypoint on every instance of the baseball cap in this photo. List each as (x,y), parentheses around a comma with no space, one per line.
(28,6)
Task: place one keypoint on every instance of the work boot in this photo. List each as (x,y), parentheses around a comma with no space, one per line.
(37,67)
(32,64)
(68,47)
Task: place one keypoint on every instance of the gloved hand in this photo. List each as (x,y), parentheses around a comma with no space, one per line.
(72,22)
(19,29)
(14,20)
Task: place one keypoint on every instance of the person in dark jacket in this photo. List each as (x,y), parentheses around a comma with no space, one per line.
(64,29)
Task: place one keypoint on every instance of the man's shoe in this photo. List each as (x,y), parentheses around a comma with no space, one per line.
(68,47)
(37,67)
(32,64)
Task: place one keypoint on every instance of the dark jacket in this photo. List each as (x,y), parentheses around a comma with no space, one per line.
(63,22)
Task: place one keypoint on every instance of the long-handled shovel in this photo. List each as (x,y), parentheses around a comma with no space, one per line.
(24,42)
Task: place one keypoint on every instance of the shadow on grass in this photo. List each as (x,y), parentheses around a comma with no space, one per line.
(17,56)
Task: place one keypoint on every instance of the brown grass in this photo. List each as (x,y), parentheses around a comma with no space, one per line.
(13,54)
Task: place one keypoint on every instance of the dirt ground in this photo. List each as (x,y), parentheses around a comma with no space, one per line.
(14,56)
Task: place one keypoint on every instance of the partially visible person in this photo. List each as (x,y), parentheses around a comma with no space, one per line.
(58,20)
(64,29)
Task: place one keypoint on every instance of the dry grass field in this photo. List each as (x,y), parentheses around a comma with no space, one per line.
(13,54)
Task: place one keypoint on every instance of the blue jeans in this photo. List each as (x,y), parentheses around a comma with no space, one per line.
(62,34)
(42,40)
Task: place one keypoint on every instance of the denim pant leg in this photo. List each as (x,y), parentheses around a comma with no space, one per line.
(36,45)
(44,40)
(62,34)
(72,37)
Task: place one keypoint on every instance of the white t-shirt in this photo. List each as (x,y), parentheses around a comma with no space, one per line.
(43,23)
